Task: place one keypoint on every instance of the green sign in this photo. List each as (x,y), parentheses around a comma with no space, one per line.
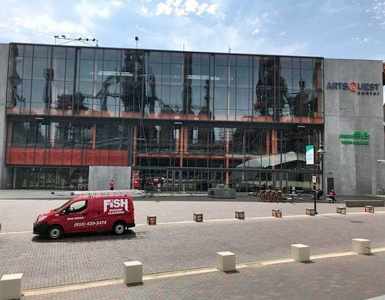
(310,154)
(357,138)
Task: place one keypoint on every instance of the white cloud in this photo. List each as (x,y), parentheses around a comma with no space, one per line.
(191,5)
(211,9)
(220,36)
(180,8)
(43,23)
(87,9)
(378,12)
(255,31)
(144,10)
(177,3)
(117,3)
(163,9)
(40,21)
(361,40)
(180,12)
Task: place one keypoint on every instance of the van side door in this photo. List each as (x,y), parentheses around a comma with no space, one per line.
(75,217)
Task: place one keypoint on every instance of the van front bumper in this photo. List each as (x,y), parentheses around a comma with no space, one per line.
(41,228)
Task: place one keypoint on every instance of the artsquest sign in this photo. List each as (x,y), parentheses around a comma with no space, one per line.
(357,138)
(368,89)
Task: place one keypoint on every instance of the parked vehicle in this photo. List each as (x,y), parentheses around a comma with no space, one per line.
(87,214)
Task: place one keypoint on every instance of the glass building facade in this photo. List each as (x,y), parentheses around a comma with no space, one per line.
(194,120)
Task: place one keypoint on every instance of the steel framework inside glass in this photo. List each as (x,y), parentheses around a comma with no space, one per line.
(184,121)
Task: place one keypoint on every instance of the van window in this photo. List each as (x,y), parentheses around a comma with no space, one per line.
(78,206)
(63,205)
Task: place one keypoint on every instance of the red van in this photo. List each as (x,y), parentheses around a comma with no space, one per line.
(87,214)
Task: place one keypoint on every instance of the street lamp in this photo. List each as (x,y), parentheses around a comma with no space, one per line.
(321,153)
(310,160)
(315,174)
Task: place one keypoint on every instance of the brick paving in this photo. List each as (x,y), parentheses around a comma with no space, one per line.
(188,245)
(353,277)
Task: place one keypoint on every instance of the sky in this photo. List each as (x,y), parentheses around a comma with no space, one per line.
(352,29)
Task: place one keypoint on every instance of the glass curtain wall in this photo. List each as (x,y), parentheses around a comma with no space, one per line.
(195,119)
(110,82)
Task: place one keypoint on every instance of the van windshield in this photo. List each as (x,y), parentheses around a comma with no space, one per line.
(63,205)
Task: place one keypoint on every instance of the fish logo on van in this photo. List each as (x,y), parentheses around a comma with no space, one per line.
(115,205)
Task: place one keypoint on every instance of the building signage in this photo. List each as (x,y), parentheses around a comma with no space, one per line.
(368,89)
(357,138)
(310,154)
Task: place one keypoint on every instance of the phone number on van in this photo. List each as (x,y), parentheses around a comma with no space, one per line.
(92,223)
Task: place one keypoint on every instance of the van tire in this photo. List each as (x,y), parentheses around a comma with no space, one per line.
(119,228)
(55,232)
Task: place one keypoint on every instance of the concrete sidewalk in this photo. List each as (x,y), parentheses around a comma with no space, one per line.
(8,194)
(57,194)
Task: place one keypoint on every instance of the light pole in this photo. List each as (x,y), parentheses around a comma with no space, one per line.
(314,181)
(321,153)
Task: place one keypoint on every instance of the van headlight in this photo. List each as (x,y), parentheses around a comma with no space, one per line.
(41,219)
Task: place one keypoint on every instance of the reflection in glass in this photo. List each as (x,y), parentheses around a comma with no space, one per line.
(30,134)
(14,79)
(72,135)
(187,110)
(111,136)
(271,90)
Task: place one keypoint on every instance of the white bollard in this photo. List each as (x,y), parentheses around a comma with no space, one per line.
(300,252)
(369,209)
(225,261)
(133,272)
(361,246)
(240,215)
(10,286)
(310,211)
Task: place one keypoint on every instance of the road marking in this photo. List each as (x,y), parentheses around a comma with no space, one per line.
(15,232)
(230,220)
(179,273)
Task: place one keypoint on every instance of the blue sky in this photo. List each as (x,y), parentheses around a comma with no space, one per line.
(329,28)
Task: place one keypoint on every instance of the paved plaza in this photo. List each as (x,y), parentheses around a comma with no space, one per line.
(178,254)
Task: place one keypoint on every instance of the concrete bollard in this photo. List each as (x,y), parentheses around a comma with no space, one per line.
(369,209)
(300,252)
(11,286)
(151,220)
(198,217)
(276,213)
(341,210)
(361,246)
(225,261)
(132,272)
(240,215)
(310,211)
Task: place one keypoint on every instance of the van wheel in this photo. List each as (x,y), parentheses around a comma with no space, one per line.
(55,232)
(119,228)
